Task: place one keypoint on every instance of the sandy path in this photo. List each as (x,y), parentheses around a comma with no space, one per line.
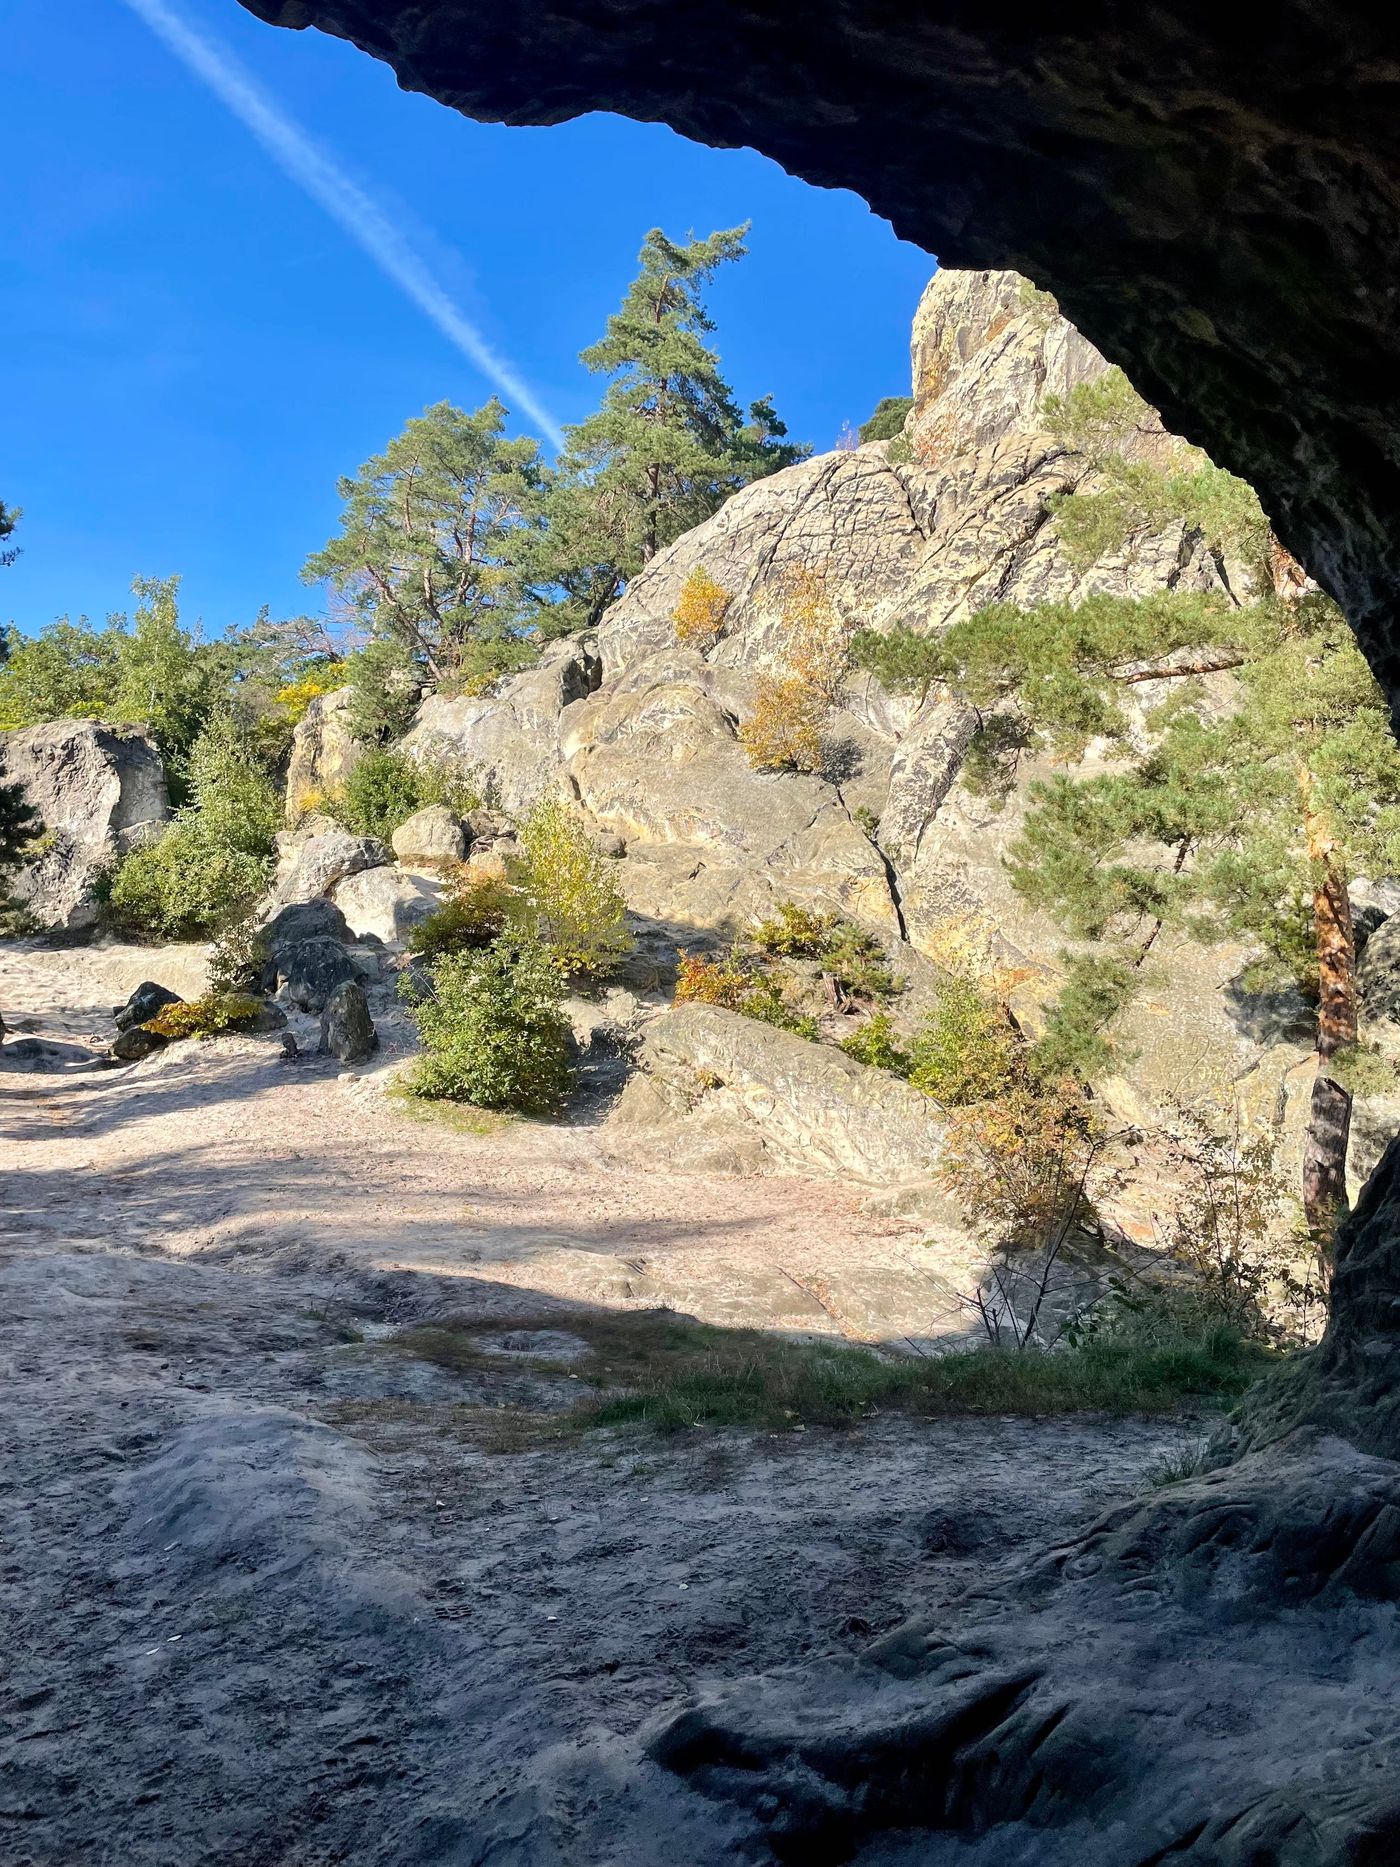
(264,1601)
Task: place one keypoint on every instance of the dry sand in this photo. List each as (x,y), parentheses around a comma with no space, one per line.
(268,1600)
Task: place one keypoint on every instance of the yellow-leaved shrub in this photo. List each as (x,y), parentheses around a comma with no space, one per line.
(700,610)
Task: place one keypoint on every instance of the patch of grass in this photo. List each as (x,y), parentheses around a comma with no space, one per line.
(459,1116)
(660,1371)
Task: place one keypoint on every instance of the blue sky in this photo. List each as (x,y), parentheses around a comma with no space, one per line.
(194,350)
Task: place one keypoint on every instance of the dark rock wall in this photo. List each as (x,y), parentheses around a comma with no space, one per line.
(1213,192)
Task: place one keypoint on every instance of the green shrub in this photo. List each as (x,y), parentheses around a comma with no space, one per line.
(473,916)
(966,1049)
(185,884)
(486,659)
(238,956)
(493,1034)
(1097,987)
(387,787)
(216,858)
(875,1044)
(888,419)
(210,1016)
(768,1004)
(853,958)
(581,915)
(235,801)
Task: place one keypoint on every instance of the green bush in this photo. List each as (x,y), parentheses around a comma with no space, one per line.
(211,1016)
(581,914)
(1097,987)
(966,1049)
(237,804)
(853,958)
(386,787)
(875,1044)
(493,1034)
(238,956)
(184,885)
(471,918)
(216,858)
(888,419)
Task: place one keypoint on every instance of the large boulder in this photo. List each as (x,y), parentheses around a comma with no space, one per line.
(306,972)
(508,739)
(386,903)
(316,919)
(144,1003)
(312,865)
(792,1104)
(430,837)
(98,789)
(324,752)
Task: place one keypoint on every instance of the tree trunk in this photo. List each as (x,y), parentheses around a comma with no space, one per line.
(1329,1120)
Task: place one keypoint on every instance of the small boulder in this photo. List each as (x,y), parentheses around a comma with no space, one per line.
(136,1042)
(144,1003)
(430,836)
(347,1030)
(609,844)
(317,919)
(308,971)
(317,864)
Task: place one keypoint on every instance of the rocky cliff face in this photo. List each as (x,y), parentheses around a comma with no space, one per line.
(642,731)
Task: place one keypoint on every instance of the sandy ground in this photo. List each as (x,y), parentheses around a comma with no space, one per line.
(268,1600)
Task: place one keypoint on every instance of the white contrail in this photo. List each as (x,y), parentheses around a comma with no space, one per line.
(362,218)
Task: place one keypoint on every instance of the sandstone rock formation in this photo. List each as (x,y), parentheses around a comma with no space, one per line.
(429,837)
(97,788)
(311,863)
(718,1089)
(386,903)
(1215,206)
(324,752)
(643,732)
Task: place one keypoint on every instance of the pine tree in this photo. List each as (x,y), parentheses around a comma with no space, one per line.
(669,444)
(432,541)
(1248,822)
(9,518)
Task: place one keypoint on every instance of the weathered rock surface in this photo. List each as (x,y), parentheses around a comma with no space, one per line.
(429,837)
(324,752)
(717,1080)
(97,788)
(386,903)
(643,733)
(509,736)
(347,1029)
(312,865)
(307,972)
(134,1042)
(144,1003)
(316,919)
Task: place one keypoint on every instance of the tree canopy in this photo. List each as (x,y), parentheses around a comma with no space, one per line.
(669,443)
(434,539)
